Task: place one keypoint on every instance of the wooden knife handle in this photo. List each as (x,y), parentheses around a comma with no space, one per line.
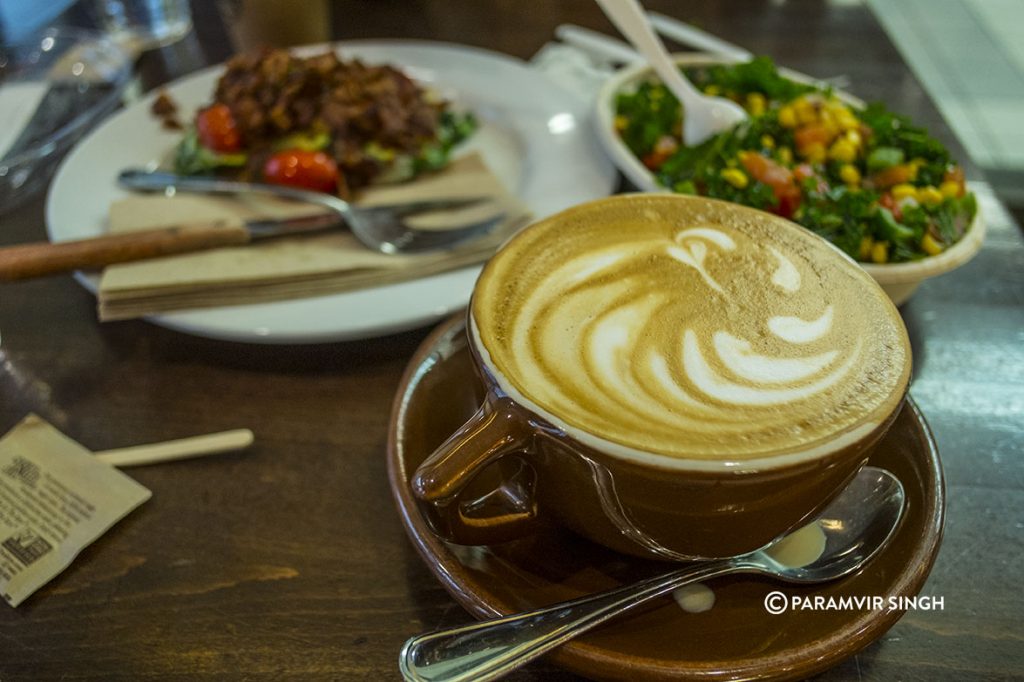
(35,260)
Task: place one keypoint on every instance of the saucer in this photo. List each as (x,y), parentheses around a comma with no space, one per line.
(737,638)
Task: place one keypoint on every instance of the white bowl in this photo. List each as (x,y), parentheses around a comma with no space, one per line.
(899,280)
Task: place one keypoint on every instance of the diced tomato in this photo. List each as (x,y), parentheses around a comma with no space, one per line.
(653,161)
(955,174)
(304,169)
(665,147)
(805,171)
(778,177)
(788,204)
(888,201)
(892,176)
(766,170)
(217,130)
(807,135)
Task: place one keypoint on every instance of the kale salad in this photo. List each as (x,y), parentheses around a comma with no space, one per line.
(868,180)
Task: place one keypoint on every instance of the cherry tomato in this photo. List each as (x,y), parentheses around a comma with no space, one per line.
(303,169)
(217,129)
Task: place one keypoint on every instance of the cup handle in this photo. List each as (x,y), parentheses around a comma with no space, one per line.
(507,512)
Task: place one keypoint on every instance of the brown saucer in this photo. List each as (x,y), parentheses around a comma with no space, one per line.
(737,639)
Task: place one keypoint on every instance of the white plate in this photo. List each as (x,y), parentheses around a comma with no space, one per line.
(535,136)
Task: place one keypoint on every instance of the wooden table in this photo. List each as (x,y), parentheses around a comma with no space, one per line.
(289,562)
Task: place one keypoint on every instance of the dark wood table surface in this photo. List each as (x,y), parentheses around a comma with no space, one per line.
(289,561)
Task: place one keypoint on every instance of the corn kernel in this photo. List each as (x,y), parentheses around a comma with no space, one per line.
(768,142)
(866,243)
(829,124)
(849,174)
(803,109)
(930,245)
(842,151)
(904,190)
(621,122)
(806,115)
(929,196)
(785,155)
(880,252)
(847,120)
(756,104)
(950,189)
(712,90)
(787,117)
(854,138)
(814,152)
(735,177)
(915,165)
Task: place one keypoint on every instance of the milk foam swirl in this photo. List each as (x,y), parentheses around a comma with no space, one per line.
(690,340)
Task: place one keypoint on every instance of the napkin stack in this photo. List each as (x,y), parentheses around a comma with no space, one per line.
(300,266)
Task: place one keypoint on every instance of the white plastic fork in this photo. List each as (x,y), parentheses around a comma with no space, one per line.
(703,116)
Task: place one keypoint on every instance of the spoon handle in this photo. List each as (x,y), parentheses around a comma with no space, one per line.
(489,649)
(629,18)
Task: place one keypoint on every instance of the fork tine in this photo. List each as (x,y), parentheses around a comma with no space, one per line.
(416,240)
(424,206)
(379,227)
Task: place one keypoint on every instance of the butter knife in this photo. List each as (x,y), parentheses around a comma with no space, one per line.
(26,261)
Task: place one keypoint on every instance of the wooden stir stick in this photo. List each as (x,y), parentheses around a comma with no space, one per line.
(167,451)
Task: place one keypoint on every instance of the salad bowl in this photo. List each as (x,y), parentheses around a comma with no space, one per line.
(898,279)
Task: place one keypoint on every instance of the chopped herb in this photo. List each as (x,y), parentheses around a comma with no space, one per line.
(858,177)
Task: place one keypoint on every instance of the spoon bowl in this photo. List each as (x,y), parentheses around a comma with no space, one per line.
(852,532)
(840,540)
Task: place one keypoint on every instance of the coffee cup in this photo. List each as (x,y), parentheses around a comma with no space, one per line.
(672,377)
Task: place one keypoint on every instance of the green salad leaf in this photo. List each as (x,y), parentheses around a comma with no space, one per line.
(453,128)
(757,75)
(192,158)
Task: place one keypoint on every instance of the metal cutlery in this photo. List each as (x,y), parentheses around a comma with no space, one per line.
(382,228)
(855,527)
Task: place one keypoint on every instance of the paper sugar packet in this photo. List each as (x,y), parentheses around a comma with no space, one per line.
(55,500)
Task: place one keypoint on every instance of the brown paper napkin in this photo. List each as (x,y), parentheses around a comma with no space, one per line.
(293,267)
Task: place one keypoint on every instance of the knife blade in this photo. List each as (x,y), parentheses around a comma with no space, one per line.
(26,261)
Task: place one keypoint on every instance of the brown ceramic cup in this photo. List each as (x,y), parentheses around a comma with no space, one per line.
(771,439)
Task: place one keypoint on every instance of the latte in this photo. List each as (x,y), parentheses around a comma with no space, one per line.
(691,329)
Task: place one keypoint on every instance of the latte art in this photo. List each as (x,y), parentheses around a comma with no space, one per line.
(689,333)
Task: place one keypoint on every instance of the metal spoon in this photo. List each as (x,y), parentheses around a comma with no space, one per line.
(856,525)
(703,116)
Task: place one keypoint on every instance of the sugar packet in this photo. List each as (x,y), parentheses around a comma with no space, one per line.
(56,498)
